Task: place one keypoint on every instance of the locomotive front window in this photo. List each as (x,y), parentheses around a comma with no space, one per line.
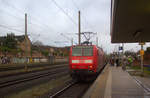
(88,51)
(77,51)
(82,51)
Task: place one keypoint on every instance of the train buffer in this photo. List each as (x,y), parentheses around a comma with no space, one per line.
(115,83)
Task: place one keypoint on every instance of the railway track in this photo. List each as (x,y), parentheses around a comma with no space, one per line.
(145,88)
(62,90)
(16,83)
(26,72)
(2,69)
(20,80)
(72,90)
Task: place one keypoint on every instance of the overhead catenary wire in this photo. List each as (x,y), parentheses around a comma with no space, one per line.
(9,14)
(46,26)
(20,31)
(82,15)
(12,28)
(22,13)
(68,38)
(21,19)
(70,18)
(75,5)
(31,23)
(3,26)
(13,7)
(39,22)
(18,18)
(87,26)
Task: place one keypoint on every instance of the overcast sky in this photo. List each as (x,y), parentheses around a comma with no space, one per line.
(47,19)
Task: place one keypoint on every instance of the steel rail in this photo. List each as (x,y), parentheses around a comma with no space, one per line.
(21,73)
(145,88)
(26,79)
(2,69)
(62,90)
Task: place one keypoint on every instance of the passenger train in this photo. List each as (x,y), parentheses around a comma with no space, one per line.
(85,61)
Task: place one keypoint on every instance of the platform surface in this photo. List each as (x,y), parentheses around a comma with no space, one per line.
(115,83)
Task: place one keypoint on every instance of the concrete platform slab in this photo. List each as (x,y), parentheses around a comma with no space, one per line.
(124,86)
(115,83)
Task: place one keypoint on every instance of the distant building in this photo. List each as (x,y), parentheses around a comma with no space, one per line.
(22,44)
(52,51)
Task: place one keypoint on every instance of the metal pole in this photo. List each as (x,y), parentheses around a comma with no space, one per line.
(72,41)
(97,41)
(26,41)
(142,69)
(122,47)
(79,30)
(122,54)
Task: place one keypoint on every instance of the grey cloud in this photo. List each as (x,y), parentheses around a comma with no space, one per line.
(49,21)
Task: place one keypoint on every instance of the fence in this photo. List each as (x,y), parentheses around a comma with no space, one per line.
(15,60)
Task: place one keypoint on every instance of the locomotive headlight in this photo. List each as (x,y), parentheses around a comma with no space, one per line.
(90,66)
(75,61)
(88,61)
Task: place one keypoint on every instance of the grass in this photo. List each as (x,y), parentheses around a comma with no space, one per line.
(135,67)
(138,68)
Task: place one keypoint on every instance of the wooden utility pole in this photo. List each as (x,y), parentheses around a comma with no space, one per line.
(26,47)
(79,30)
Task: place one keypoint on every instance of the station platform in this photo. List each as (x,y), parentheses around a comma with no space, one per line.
(113,82)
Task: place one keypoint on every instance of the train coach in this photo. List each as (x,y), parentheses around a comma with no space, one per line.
(85,61)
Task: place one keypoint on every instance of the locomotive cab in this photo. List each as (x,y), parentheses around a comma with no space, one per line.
(84,60)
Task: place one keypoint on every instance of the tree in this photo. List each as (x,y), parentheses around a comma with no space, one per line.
(9,44)
(147,50)
(10,41)
(45,53)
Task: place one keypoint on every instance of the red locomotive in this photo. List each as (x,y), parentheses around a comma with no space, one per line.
(85,61)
